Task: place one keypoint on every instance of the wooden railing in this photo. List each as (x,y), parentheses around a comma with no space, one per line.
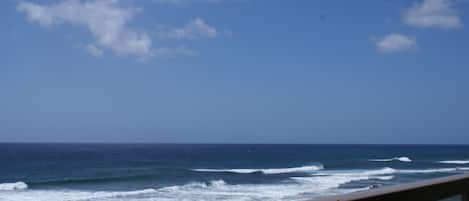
(427,190)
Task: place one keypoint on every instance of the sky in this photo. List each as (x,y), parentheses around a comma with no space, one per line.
(235,71)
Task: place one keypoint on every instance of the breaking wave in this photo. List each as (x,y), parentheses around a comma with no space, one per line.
(207,191)
(435,170)
(302,169)
(389,170)
(401,159)
(73,195)
(459,162)
(13,186)
(294,188)
(317,182)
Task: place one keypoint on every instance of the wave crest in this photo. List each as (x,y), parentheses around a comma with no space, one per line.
(383,171)
(302,169)
(317,183)
(75,195)
(13,186)
(401,159)
(436,170)
(459,162)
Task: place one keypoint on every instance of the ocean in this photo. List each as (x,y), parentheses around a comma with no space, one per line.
(232,172)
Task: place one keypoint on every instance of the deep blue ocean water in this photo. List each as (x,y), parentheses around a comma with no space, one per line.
(170,172)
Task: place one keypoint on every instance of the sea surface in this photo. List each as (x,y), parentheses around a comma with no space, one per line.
(186,172)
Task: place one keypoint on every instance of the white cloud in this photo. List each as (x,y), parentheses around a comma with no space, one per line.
(433,13)
(105,19)
(93,50)
(395,42)
(194,29)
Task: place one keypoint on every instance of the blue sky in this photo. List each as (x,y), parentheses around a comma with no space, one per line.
(239,71)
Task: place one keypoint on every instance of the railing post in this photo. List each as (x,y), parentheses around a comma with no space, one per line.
(465,196)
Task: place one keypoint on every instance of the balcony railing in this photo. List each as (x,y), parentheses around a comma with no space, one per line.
(427,190)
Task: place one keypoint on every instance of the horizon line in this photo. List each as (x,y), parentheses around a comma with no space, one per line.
(243,143)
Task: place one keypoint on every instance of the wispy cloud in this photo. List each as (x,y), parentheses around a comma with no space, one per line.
(433,13)
(93,50)
(194,29)
(395,42)
(105,19)
(108,22)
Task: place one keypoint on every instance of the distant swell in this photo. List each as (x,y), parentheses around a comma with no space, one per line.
(302,169)
(86,180)
(460,162)
(13,186)
(401,159)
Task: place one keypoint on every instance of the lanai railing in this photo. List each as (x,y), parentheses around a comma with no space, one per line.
(427,190)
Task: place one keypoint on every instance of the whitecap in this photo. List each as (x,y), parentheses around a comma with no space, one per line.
(382,173)
(207,191)
(302,169)
(72,195)
(13,186)
(296,189)
(460,162)
(434,170)
(333,179)
(317,183)
(401,159)
(390,177)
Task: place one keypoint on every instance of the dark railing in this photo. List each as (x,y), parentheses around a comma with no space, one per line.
(427,190)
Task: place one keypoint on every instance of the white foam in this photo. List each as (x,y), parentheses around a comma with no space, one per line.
(389,171)
(294,189)
(434,170)
(385,177)
(401,159)
(287,190)
(383,171)
(304,169)
(318,183)
(334,179)
(460,162)
(13,186)
(71,195)
(353,175)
